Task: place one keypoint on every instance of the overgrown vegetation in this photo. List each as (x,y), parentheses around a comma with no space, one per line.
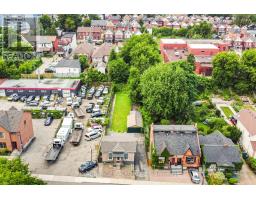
(15,172)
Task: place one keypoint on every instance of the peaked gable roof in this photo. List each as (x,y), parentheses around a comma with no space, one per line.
(10,120)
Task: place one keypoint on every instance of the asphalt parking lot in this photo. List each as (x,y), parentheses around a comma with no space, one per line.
(69,159)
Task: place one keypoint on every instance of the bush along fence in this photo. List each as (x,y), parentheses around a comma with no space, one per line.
(39,114)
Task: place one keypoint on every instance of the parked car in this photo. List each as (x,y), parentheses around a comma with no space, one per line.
(75,104)
(46,97)
(69,101)
(49,70)
(92,90)
(23,98)
(100,101)
(194,175)
(96,108)
(37,98)
(51,97)
(92,134)
(16,97)
(90,96)
(97,94)
(105,91)
(83,94)
(87,166)
(96,114)
(90,107)
(30,98)
(48,121)
(10,98)
(33,103)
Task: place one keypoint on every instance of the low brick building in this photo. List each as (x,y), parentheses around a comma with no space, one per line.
(16,130)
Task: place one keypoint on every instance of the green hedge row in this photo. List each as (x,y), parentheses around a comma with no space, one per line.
(38,114)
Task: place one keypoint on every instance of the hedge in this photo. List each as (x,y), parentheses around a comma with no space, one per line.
(38,114)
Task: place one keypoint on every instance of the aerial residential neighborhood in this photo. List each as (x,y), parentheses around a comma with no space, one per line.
(128,99)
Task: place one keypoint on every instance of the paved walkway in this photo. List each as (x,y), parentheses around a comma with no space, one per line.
(84,180)
(247,177)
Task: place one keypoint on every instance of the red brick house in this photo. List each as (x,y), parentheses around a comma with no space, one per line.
(203,65)
(84,32)
(16,130)
(175,146)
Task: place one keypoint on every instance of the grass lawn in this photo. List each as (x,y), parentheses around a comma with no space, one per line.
(121,111)
(227,111)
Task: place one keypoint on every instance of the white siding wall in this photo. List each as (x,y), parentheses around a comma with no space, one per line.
(245,139)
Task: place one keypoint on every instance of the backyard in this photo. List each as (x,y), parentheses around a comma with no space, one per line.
(228,113)
(122,108)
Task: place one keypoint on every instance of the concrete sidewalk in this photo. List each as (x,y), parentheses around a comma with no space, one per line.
(84,180)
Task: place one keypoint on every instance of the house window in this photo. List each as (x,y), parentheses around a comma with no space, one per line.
(190,160)
(110,156)
(2,145)
(161,160)
(125,156)
(1,135)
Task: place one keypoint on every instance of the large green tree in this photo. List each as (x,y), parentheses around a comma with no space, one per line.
(118,71)
(167,92)
(69,22)
(134,85)
(15,172)
(244,19)
(226,69)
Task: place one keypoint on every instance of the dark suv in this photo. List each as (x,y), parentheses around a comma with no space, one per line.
(90,107)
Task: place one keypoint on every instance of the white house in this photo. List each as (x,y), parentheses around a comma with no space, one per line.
(45,43)
(67,68)
(246,122)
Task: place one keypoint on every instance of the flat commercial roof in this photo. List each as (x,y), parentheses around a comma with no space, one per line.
(43,84)
(202,46)
(173,41)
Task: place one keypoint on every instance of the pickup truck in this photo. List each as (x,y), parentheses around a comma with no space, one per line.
(77,134)
(79,112)
(55,150)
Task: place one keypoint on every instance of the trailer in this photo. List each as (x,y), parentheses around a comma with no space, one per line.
(55,150)
(79,112)
(77,134)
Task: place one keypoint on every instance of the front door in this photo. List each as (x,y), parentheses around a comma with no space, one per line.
(179,161)
(14,145)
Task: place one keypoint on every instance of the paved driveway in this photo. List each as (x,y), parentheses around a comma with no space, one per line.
(247,177)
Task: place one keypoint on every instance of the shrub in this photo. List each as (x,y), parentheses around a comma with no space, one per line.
(39,114)
(216,178)
(164,122)
(4,151)
(233,181)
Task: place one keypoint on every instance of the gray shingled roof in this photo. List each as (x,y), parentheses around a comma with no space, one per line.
(177,139)
(221,155)
(68,63)
(10,120)
(118,142)
(219,149)
(215,138)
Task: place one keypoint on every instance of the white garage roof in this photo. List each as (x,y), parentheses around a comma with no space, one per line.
(173,41)
(202,46)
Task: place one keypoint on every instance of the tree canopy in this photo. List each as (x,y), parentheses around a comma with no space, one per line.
(118,71)
(167,91)
(235,72)
(15,172)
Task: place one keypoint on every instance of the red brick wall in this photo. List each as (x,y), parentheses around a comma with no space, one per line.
(200,52)
(25,134)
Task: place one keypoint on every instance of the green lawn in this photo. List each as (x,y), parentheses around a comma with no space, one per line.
(121,111)
(227,111)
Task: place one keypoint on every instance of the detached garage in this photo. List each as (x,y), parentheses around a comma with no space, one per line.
(134,122)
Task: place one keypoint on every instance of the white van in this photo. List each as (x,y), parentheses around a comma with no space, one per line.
(92,135)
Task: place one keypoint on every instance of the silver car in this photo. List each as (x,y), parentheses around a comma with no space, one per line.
(194,175)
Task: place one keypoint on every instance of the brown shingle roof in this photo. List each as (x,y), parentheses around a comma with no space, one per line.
(84,48)
(103,50)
